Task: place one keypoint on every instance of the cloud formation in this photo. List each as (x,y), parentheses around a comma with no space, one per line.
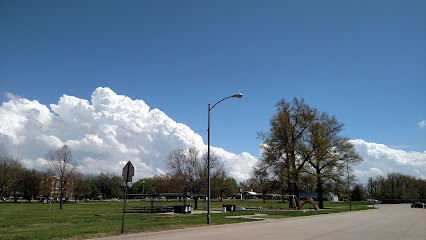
(422,124)
(109,130)
(103,134)
(380,160)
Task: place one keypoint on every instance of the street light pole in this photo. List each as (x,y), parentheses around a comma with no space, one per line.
(349,188)
(208,167)
(239,95)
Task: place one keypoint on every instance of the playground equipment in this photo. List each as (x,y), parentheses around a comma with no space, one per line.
(299,206)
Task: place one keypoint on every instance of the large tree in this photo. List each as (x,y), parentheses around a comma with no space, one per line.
(284,141)
(303,140)
(60,163)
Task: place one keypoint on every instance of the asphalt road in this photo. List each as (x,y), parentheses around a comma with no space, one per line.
(399,222)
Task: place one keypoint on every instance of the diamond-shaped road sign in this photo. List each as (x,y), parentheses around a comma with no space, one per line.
(128,172)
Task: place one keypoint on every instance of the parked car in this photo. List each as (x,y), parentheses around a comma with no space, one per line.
(417,205)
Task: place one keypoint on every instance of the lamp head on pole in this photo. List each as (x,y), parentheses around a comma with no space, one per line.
(238,95)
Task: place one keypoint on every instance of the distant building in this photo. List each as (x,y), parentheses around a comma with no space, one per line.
(332,197)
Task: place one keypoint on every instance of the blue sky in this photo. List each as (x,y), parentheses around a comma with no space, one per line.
(363,61)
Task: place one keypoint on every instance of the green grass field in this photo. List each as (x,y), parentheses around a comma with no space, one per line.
(103,218)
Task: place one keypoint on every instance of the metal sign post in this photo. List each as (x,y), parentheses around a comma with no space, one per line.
(128,173)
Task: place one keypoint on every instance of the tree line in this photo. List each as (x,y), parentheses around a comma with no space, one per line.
(395,186)
(61,179)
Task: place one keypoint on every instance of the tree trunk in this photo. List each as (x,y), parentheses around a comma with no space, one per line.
(61,195)
(221,195)
(296,194)
(195,202)
(320,193)
(290,198)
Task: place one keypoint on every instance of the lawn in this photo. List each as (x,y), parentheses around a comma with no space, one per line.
(103,218)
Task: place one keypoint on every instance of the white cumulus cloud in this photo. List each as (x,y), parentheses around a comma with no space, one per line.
(422,124)
(103,134)
(380,160)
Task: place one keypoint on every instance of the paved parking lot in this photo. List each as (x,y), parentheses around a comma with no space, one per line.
(399,222)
